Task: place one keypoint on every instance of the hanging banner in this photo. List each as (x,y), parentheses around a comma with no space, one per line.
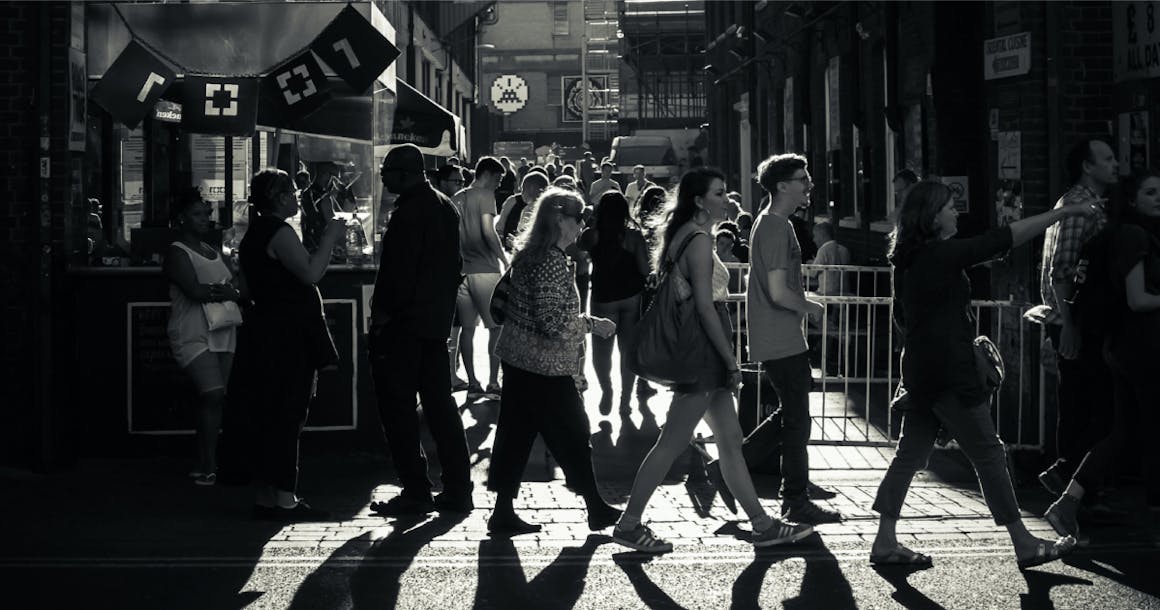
(354,49)
(224,105)
(132,84)
(292,91)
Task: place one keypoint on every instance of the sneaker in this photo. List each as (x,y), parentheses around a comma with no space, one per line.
(301,512)
(474,390)
(1052,480)
(454,502)
(805,511)
(1062,516)
(492,392)
(781,532)
(641,538)
(404,505)
(601,516)
(458,385)
(644,390)
(205,479)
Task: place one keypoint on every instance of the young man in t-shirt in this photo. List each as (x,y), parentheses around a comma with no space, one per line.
(775,305)
(482,257)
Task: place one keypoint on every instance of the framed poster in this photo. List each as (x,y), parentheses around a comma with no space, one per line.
(572,91)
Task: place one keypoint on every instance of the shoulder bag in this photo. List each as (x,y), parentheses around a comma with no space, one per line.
(667,332)
(224,314)
(500,296)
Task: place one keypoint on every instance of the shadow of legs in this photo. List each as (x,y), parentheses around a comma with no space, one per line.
(502,582)
(653,596)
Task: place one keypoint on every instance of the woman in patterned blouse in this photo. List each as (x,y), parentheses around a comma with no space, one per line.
(540,348)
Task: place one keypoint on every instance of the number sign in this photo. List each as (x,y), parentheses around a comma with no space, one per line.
(132,84)
(354,49)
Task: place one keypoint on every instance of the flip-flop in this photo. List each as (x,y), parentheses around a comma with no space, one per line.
(901,556)
(1045,554)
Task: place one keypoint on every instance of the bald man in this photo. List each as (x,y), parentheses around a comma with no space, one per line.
(411,314)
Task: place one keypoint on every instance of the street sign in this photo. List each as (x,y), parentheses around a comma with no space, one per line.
(1007,56)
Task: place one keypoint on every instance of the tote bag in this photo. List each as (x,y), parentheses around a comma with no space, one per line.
(667,333)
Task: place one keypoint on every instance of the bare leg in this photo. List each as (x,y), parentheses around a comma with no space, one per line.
(684,415)
(722,419)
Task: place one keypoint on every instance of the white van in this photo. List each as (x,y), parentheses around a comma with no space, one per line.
(655,153)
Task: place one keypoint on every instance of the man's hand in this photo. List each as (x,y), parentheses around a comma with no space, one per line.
(603,327)
(1070,341)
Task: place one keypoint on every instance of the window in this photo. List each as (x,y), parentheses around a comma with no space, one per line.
(560,19)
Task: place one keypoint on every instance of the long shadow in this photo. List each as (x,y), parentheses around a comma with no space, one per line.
(366,574)
(502,583)
(904,592)
(823,584)
(1134,570)
(649,593)
(1039,584)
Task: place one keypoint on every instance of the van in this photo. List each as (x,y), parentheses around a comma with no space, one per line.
(655,153)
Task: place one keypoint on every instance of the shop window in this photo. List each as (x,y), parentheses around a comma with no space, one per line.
(129,207)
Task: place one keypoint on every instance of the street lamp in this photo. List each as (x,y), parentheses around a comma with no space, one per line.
(486,46)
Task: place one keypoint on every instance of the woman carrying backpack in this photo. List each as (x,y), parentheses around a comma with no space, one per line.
(1133,264)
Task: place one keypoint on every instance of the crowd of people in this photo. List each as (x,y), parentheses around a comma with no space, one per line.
(546,236)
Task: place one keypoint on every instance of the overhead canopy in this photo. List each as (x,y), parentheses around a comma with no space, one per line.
(420,121)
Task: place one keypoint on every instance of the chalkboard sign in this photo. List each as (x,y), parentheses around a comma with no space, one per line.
(163,400)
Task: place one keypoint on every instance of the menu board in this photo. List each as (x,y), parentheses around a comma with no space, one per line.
(162,399)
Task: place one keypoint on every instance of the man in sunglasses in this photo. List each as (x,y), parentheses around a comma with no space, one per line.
(411,311)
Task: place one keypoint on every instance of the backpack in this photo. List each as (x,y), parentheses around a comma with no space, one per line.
(1097,302)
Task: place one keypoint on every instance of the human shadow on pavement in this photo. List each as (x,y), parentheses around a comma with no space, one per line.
(366,573)
(503,585)
(1128,567)
(1039,584)
(653,596)
(823,584)
(904,593)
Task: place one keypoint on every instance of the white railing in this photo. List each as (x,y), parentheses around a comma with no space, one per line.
(855,352)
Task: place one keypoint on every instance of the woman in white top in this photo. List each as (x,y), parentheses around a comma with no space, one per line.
(699,203)
(198,275)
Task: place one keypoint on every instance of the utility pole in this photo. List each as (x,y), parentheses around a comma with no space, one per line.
(584,85)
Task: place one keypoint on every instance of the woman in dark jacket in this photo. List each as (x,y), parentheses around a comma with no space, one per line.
(1134,349)
(932,296)
(540,346)
(283,343)
(619,268)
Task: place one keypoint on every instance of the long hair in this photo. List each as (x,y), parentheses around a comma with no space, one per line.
(540,235)
(612,221)
(915,226)
(266,185)
(682,206)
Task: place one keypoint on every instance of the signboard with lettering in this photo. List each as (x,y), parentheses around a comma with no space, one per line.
(1007,56)
(1135,40)
(163,400)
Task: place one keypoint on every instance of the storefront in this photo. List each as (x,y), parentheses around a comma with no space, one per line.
(130,173)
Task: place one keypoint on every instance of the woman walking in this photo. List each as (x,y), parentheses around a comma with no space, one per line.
(619,268)
(698,204)
(540,348)
(198,276)
(284,343)
(1134,348)
(932,301)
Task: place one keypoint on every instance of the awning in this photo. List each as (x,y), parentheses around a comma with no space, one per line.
(420,121)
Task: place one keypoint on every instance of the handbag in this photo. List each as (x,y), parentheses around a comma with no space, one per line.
(500,295)
(667,333)
(988,366)
(224,314)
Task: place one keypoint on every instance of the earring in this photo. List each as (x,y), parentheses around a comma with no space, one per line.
(701,216)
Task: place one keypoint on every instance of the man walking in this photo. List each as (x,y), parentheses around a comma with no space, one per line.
(411,313)
(604,184)
(482,257)
(1084,379)
(635,188)
(776,304)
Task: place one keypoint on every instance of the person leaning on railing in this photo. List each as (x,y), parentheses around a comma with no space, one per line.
(932,300)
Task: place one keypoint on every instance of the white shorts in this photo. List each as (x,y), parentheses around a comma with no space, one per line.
(474,300)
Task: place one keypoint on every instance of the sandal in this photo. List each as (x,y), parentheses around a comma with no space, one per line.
(641,538)
(901,556)
(1046,554)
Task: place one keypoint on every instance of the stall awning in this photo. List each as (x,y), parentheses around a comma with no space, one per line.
(420,121)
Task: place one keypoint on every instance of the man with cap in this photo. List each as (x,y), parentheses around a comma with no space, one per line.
(411,311)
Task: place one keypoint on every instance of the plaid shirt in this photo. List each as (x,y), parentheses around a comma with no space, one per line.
(1061,246)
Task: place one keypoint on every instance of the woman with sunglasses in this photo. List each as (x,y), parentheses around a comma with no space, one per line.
(540,348)
(284,342)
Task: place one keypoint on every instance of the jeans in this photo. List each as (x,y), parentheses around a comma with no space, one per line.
(791,379)
(402,365)
(975,432)
(1085,385)
(552,407)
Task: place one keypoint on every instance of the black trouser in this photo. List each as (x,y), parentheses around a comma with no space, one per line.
(1137,394)
(552,407)
(402,365)
(1084,394)
(791,379)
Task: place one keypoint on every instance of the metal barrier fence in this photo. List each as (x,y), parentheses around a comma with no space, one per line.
(855,351)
